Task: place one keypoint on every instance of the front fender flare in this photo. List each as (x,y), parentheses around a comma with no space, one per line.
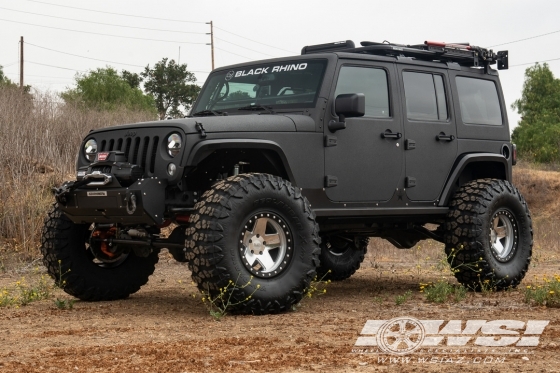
(206,147)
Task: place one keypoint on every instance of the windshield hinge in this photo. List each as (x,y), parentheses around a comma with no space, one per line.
(200,128)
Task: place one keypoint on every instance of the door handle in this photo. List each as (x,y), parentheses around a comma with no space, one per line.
(390,135)
(443,137)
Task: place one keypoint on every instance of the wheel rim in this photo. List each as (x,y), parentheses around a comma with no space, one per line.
(338,246)
(265,245)
(503,235)
(101,254)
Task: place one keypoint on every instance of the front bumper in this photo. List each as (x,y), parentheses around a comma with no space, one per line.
(143,202)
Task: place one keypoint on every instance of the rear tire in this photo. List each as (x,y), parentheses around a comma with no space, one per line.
(340,259)
(488,235)
(71,263)
(227,244)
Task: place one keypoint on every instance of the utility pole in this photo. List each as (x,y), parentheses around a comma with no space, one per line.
(211,41)
(21,62)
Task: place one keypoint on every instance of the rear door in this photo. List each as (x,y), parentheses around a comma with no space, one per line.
(429,131)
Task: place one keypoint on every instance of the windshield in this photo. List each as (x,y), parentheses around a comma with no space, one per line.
(278,85)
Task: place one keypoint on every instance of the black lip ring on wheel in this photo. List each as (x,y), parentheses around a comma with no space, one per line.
(283,257)
(512,230)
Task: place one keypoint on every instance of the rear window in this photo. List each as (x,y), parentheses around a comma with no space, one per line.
(425,96)
(479,101)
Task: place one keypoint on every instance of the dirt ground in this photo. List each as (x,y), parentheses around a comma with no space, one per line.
(163,328)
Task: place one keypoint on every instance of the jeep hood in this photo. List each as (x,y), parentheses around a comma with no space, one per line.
(233,123)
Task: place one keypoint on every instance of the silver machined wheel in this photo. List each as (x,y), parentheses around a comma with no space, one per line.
(503,235)
(265,245)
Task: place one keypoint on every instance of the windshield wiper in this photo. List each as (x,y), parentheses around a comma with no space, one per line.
(257,107)
(204,113)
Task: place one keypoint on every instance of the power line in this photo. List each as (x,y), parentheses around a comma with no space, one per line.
(155,18)
(101,23)
(531,37)
(97,59)
(89,58)
(10,64)
(240,46)
(532,63)
(58,67)
(223,50)
(98,33)
(42,76)
(118,14)
(254,41)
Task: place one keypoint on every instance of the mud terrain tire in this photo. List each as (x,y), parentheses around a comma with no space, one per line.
(63,245)
(342,258)
(238,215)
(488,235)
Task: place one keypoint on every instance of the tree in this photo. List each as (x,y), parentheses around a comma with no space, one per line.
(6,82)
(171,85)
(132,79)
(538,134)
(105,89)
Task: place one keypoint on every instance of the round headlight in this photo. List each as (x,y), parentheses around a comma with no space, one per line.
(174,143)
(90,148)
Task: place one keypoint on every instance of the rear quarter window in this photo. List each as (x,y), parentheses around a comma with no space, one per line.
(479,101)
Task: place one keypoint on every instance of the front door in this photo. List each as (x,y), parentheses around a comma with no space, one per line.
(429,132)
(366,158)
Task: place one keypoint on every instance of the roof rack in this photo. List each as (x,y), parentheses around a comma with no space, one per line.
(462,53)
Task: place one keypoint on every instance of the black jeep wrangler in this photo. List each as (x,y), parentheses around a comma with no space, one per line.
(284,168)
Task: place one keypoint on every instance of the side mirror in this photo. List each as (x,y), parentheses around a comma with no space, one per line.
(347,105)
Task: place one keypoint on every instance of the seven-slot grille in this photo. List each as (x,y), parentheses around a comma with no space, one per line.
(139,150)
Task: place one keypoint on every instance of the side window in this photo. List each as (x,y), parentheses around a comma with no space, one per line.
(479,101)
(372,82)
(425,96)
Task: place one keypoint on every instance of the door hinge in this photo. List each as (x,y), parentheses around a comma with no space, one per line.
(410,182)
(409,144)
(330,141)
(331,181)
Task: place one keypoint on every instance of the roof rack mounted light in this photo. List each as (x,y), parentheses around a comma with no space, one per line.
(462,53)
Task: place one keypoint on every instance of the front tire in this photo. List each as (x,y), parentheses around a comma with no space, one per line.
(488,235)
(70,262)
(256,236)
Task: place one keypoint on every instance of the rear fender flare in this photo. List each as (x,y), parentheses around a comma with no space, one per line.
(462,164)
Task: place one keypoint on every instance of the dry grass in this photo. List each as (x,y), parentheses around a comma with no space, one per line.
(539,185)
(39,138)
